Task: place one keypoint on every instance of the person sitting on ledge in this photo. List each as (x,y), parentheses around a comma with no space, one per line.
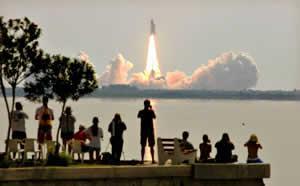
(205,150)
(224,150)
(185,145)
(253,145)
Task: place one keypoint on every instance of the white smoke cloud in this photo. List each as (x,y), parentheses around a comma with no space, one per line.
(177,80)
(116,72)
(229,71)
(142,81)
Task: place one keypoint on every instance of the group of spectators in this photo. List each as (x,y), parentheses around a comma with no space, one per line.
(90,138)
(224,149)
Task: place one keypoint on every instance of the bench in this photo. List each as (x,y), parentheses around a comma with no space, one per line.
(169,149)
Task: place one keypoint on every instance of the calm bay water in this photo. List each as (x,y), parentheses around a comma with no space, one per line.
(277,124)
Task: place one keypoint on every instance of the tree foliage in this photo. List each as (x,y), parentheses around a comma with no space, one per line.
(19,52)
(18,49)
(61,78)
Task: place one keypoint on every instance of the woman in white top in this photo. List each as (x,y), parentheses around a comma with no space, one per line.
(94,134)
(18,122)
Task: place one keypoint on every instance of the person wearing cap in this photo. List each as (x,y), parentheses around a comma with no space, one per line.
(253,145)
(147,130)
(67,122)
(205,149)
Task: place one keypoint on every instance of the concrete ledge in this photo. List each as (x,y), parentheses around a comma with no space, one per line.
(231,171)
(153,175)
(94,172)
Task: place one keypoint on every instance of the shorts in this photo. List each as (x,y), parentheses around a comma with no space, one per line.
(66,135)
(44,133)
(18,135)
(254,160)
(147,135)
(91,149)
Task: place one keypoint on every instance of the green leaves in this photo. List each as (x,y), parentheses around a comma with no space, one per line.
(18,48)
(61,78)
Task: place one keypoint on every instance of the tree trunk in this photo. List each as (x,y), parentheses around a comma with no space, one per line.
(8,111)
(11,110)
(59,127)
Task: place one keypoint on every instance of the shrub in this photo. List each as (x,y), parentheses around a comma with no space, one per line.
(4,161)
(61,159)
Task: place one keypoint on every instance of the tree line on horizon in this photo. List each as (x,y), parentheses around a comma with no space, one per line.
(43,74)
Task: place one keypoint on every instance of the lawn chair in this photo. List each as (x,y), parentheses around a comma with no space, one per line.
(77,149)
(165,150)
(30,147)
(169,149)
(14,147)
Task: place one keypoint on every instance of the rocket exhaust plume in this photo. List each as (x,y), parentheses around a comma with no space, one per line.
(152,70)
(229,71)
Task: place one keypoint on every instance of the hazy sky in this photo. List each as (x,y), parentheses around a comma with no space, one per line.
(189,32)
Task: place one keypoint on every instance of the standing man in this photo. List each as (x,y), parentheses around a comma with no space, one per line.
(45,116)
(147,130)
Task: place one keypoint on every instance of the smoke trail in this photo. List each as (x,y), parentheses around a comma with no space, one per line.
(116,72)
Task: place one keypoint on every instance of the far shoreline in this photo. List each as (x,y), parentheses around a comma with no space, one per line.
(128,92)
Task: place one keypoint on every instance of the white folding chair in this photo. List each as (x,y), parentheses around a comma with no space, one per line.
(30,146)
(14,147)
(77,149)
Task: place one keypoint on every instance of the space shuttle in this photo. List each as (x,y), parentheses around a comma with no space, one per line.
(152,27)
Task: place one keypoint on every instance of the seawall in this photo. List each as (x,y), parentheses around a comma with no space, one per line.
(181,175)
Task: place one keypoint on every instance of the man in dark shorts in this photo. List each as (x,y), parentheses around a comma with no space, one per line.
(45,116)
(147,130)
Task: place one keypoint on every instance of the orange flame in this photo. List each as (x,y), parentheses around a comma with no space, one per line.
(152,67)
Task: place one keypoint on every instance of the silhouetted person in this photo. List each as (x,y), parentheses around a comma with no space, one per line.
(116,128)
(94,134)
(147,130)
(18,123)
(253,145)
(185,145)
(67,122)
(224,150)
(205,150)
(45,116)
